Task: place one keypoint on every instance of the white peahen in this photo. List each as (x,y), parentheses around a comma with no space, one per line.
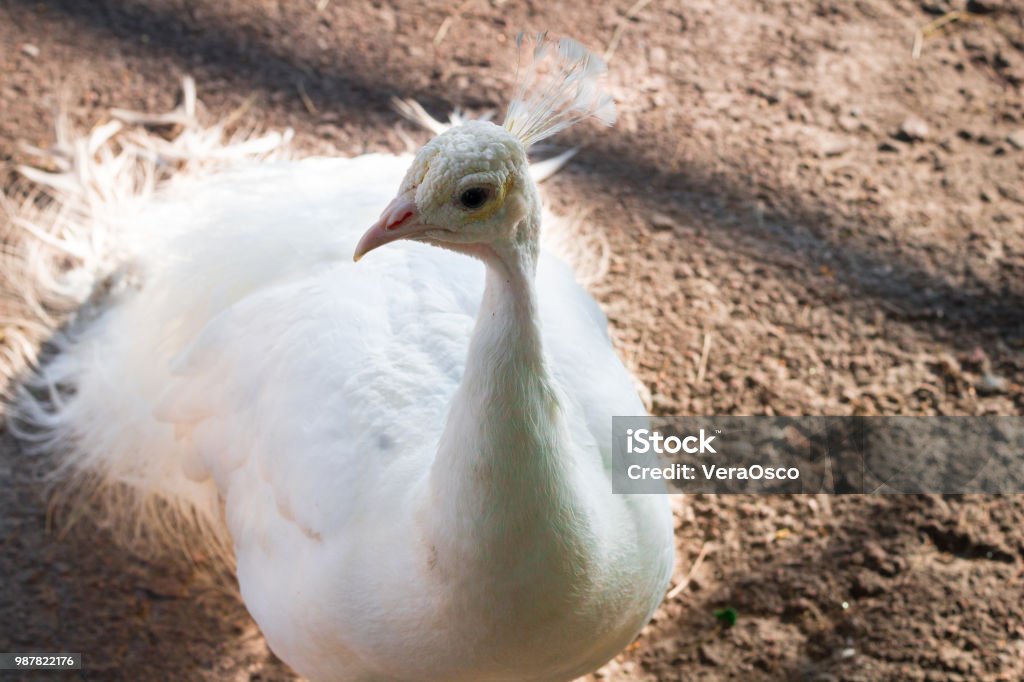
(409,455)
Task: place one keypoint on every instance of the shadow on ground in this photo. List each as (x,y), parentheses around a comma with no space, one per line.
(360,89)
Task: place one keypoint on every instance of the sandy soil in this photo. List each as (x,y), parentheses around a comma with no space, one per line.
(832,224)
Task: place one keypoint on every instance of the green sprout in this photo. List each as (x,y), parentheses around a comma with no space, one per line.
(727,616)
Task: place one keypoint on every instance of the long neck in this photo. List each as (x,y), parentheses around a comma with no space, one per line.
(500,472)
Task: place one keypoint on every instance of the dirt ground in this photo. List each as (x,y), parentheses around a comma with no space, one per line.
(803,218)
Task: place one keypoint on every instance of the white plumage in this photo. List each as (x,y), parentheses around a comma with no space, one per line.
(409,456)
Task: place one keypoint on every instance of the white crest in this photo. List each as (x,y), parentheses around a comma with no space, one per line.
(558,86)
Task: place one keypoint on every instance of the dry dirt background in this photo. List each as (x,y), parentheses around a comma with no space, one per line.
(834,226)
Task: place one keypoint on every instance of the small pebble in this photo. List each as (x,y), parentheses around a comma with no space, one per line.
(660,221)
(849,123)
(1016,138)
(30,50)
(659,56)
(833,145)
(913,129)
(991,384)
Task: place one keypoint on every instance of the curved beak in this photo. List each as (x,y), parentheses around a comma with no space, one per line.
(400,220)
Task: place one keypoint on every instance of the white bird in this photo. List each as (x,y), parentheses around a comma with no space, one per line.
(409,455)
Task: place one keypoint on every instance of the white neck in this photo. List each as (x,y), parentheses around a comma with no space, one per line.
(499,485)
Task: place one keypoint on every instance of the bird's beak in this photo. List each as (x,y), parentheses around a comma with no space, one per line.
(400,220)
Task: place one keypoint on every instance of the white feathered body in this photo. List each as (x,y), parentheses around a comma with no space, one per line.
(254,371)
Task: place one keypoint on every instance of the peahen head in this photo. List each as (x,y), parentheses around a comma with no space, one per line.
(470,187)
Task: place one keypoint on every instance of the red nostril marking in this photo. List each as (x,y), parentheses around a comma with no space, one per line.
(395,223)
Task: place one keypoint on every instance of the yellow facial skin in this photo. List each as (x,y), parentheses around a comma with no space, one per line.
(495,202)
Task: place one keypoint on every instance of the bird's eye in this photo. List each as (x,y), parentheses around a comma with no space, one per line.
(474,197)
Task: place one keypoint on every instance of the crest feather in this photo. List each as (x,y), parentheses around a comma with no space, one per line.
(558,86)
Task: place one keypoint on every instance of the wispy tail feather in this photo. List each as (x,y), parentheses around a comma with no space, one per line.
(65,235)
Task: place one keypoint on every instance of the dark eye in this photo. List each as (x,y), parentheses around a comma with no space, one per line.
(474,197)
